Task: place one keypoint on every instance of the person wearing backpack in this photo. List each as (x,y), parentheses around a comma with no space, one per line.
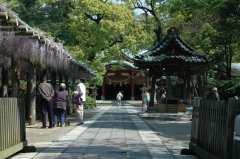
(119,98)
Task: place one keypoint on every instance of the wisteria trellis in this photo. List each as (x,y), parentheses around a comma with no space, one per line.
(24,49)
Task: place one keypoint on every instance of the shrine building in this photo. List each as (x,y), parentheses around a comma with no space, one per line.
(170,57)
(129,80)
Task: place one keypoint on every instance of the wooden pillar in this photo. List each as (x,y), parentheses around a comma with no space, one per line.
(188,90)
(14,79)
(66,83)
(132,87)
(147,84)
(132,90)
(73,88)
(31,83)
(184,90)
(151,103)
(103,91)
(67,89)
(53,79)
(161,82)
(4,91)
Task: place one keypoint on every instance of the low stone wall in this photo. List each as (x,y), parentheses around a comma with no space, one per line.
(161,108)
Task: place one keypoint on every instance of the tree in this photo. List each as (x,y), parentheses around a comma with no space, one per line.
(211,28)
(228,33)
(103,29)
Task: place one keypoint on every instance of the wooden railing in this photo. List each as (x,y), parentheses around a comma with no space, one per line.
(213,129)
(12,126)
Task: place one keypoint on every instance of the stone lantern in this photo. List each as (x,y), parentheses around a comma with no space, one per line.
(94,92)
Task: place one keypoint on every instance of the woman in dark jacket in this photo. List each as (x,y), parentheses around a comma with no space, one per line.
(60,105)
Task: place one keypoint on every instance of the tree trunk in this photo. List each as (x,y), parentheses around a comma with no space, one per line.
(32,96)
(202,84)
(194,88)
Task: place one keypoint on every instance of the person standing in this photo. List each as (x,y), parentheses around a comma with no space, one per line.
(47,92)
(216,96)
(119,98)
(60,105)
(80,90)
(147,99)
(144,96)
(163,95)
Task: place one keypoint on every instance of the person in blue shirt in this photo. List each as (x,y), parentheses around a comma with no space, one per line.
(163,95)
(147,99)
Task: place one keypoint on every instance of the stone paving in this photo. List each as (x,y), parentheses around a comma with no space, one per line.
(114,132)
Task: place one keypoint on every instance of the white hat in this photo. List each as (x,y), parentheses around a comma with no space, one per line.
(214,89)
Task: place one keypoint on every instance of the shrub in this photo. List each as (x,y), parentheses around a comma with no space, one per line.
(90,103)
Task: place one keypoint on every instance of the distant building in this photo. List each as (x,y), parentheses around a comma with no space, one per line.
(128,80)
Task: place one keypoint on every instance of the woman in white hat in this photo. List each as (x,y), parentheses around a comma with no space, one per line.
(215,94)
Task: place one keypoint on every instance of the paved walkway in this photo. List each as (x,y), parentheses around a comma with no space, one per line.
(113,132)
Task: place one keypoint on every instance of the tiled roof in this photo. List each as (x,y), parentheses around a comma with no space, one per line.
(172,47)
(125,62)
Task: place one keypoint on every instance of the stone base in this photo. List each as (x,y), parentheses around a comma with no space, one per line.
(151,110)
(102,98)
(132,98)
(28,149)
(185,151)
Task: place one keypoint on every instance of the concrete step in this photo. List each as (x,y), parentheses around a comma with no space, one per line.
(167,116)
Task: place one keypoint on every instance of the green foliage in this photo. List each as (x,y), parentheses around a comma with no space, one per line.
(209,95)
(10,3)
(102,29)
(227,89)
(90,103)
(96,81)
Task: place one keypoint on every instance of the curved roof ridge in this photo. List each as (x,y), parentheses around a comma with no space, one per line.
(163,46)
(188,48)
(113,62)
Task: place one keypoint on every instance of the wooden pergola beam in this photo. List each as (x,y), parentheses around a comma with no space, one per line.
(8,28)
(23,28)
(4,15)
(42,41)
(13,22)
(27,33)
(36,36)
(9,22)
